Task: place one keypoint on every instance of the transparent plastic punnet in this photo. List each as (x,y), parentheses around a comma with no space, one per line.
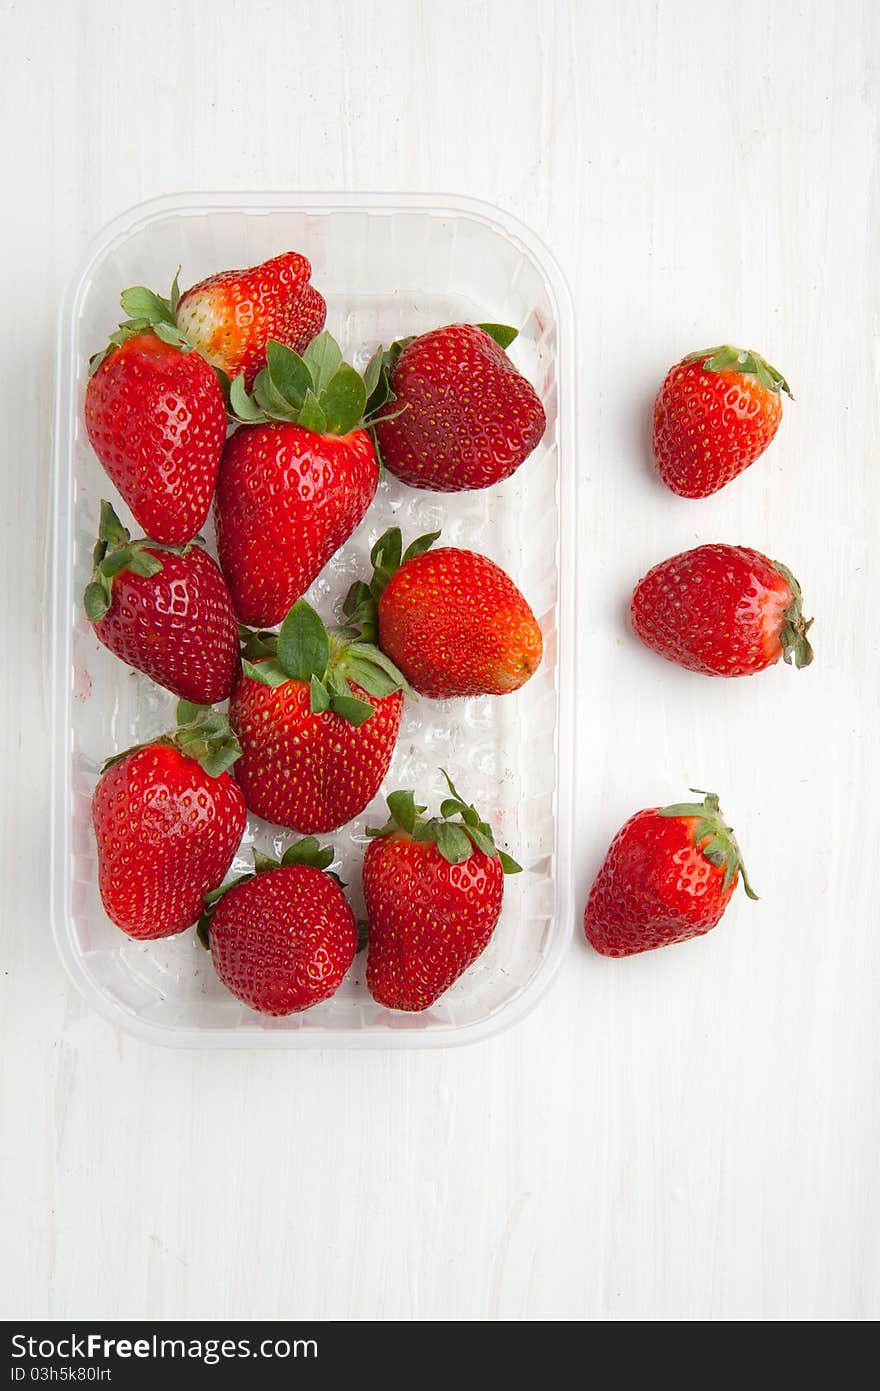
(388,266)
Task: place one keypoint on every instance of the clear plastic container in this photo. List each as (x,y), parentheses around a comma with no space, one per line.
(388,266)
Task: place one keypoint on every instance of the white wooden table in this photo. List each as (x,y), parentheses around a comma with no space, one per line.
(692,1134)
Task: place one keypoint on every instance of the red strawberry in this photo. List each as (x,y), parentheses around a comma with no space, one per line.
(460,416)
(231,316)
(283,938)
(668,876)
(715,413)
(452,621)
(317,715)
(165,611)
(722,610)
(156,420)
(289,494)
(168,819)
(433,893)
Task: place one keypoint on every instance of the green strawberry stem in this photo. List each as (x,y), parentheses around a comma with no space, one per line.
(457,831)
(387,556)
(147,313)
(114,552)
(328,659)
(743,360)
(720,848)
(317,391)
(202,734)
(795,643)
(303,852)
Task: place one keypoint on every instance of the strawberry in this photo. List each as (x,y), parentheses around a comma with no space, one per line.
(451,620)
(715,414)
(722,610)
(283,938)
(156,418)
(164,610)
(168,819)
(317,715)
(458,414)
(295,480)
(669,875)
(231,316)
(433,893)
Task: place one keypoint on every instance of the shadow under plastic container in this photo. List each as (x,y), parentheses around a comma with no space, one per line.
(388,266)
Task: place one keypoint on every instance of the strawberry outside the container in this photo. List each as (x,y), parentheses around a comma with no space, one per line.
(164,610)
(168,819)
(283,938)
(715,414)
(231,316)
(722,610)
(156,418)
(317,714)
(433,891)
(451,620)
(459,414)
(296,478)
(668,876)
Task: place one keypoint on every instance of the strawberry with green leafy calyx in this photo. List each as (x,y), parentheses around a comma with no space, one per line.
(168,819)
(296,478)
(433,889)
(164,610)
(282,938)
(317,712)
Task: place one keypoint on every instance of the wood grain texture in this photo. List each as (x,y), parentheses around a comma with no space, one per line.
(688,1135)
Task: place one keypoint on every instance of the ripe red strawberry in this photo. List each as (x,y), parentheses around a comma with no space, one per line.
(156,419)
(668,876)
(433,893)
(715,413)
(282,939)
(168,819)
(460,415)
(722,610)
(296,482)
(451,620)
(231,316)
(164,610)
(317,715)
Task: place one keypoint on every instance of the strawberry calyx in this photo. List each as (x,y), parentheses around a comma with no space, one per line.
(329,659)
(796,646)
(362,600)
(457,831)
(147,313)
(307,851)
(114,551)
(202,734)
(713,837)
(317,391)
(745,361)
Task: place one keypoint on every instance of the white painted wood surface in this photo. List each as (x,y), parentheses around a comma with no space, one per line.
(692,1134)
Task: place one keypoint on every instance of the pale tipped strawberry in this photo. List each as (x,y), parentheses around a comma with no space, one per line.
(156,418)
(451,620)
(433,890)
(168,819)
(282,939)
(317,713)
(715,414)
(668,876)
(164,610)
(722,610)
(457,414)
(230,317)
(296,479)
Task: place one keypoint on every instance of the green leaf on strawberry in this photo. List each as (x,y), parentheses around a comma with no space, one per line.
(457,831)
